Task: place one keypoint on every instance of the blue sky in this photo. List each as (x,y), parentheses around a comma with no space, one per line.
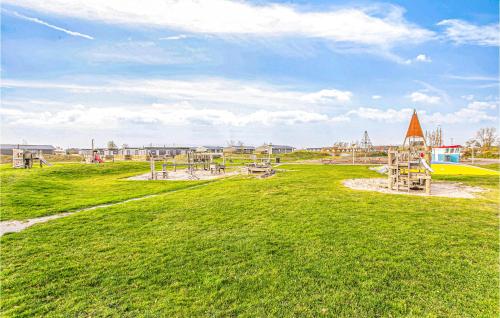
(305,73)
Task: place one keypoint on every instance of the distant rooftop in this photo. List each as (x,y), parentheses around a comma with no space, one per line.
(452,146)
(27,147)
(213,147)
(280,146)
(238,146)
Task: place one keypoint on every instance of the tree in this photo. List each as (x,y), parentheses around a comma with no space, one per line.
(472,143)
(240,144)
(434,138)
(486,137)
(341,144)
(111,145)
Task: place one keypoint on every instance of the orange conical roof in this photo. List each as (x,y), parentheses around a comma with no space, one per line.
(414,130)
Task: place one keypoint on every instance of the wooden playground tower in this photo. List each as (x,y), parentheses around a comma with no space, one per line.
(408,167)
(22,158)
(92,156)
(195,162)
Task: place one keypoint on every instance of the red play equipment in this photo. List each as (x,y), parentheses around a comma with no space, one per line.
(97,158)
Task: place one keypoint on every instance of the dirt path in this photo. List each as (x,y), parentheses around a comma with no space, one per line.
(14,226)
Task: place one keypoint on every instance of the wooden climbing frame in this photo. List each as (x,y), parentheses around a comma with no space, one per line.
(407,171)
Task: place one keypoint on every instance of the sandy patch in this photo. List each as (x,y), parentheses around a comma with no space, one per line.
(438,189)
(183,175)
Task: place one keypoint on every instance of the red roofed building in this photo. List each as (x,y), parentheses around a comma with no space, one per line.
(445,154)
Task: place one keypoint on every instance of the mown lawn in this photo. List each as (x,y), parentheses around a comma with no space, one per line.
(492,166)
(303,155)
(64,187)
(298,244)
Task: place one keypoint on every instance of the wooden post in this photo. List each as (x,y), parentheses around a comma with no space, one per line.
(427,184)
(389,169)
(409,174)
(397,171)
(428,157)
(152,166)
(164,170)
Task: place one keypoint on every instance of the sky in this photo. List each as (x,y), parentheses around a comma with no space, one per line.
(301,73)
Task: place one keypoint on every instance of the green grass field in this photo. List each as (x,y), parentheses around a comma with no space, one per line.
(303,155)
(66,187)
(298,244)
(492,166)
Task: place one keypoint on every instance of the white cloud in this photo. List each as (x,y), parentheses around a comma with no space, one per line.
(384,115)
(206,102)
(207,91)
(175,37)
(423,58)
(433,89)
(376,97)
(462,32)
(143,52)
(160,114)
(186,114)
(327,95)
(418,58)
(474,112)
(382,26)
(419,97)
(473,77)
(35,20)
(469,97)
(480,105)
